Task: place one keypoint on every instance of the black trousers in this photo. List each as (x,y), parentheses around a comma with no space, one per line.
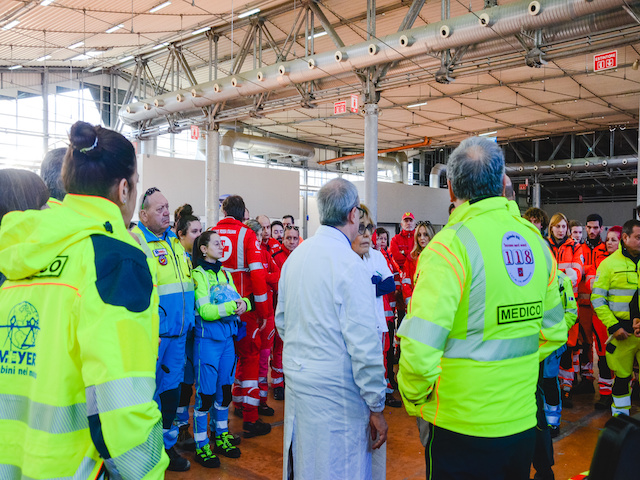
(453,456)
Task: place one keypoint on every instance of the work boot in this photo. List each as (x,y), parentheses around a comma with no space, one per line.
(255,429)
(176,462)
(567,402)
(278,393)
(237,411)
(585,386)
(225,447)
(206,458)
(604,403)
(266,410)
(554,430)
(391,401)
(185,440)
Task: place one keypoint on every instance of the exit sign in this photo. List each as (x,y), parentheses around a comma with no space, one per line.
(195,132)
(605,61)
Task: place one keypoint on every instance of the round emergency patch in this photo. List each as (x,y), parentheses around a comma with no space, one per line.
(227,248)
(162,259)
(518,258)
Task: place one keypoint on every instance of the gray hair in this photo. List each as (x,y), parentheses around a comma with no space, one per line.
(51,172)
(335,200)
(253,225)
(475,169)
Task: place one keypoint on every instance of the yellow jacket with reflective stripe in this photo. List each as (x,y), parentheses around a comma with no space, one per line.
(568,299)
(485,311)
(79,342)
(175,286)
(615,284)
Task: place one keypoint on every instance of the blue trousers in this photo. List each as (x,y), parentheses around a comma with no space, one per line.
(182,416)
(551,387)
(215,364)
(169,375)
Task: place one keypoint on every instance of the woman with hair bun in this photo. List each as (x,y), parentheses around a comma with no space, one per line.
(84,328)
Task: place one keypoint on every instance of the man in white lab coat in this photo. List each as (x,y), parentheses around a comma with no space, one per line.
(332,356)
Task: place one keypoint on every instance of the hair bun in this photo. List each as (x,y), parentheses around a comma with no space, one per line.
(186,210)
(83,137)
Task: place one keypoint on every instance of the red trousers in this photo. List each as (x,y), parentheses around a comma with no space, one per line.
(245,388)
(266,342)
(277,375)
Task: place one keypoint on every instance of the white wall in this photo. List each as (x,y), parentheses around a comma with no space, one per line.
(612,213)
(425,203)
(265,191)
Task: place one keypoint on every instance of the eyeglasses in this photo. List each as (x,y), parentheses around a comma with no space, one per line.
(292,227)
(361,210)
(362,227)
(150,191)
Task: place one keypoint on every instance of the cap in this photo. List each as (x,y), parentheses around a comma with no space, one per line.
(408,215)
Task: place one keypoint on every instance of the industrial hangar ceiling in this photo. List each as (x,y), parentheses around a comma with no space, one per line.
(521,69)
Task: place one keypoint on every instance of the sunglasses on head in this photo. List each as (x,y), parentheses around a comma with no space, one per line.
(150,191)
(423,223)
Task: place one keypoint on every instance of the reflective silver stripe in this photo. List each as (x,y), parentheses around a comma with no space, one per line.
(564,265)
(474,348)
(145,246)
(619,306)
(547,256)
(477,289)
(599,302)
(235,270)
(553,317)
(84,471)
(623,292)
(406,281)
(261,298)
(140,460)
(424,331)
(222,311)
(203,301)
(255,266)
(187,286)
(600,291)
(240,246)
(577,267)
(170,288)
(120,393)
(43,417)
(247,383)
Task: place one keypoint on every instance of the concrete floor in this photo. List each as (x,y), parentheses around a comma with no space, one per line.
(262,456)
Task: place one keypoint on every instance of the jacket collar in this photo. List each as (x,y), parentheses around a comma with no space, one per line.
(469,210)
(211,266)
(149,236)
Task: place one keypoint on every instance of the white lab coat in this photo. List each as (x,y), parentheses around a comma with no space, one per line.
(377,265)
(332,359)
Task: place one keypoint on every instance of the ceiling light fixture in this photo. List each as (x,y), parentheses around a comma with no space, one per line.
(46,3)
(113,29)
(635,64)
(15,67)
(160,45)
(126,59)
(76,45)
(316,35)
(416,105)
(486,134)
(86,56)
(248,13)
(159,7)
(95,69)
(42,59)
(10,25)
(200,30)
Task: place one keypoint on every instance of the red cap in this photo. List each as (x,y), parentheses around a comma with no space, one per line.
(408,215)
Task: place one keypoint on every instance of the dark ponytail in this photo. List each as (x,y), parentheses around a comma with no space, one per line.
(96,160)
(183,217)
(197,257)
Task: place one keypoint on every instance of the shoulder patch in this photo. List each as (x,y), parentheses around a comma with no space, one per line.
(122,274)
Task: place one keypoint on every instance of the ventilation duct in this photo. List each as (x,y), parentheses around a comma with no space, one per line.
(263,145)
(397,163)
(573,165)
(505,20)
(437,171)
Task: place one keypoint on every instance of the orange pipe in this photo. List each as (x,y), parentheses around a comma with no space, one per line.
(425,143)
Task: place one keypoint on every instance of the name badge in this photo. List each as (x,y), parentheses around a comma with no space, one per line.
(159,251)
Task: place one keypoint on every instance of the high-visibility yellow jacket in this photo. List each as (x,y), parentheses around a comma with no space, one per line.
(175,287)
(568,299)
(78,312)
(485,311)
(614,287)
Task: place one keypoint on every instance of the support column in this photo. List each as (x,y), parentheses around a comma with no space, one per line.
(149,146)
(45,111)
(638,172)
(212,188)
(371,159)
(535,193)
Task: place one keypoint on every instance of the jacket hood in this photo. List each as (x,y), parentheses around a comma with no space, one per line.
(31,240)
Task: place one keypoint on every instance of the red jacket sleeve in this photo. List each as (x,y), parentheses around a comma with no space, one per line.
(394,249)
(253,255)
